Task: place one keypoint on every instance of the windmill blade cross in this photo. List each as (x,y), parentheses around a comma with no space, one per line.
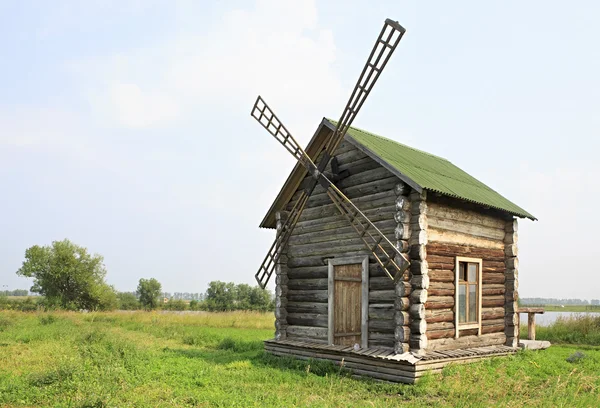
(374,239)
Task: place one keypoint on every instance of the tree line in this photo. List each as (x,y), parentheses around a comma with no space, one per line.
(69,277)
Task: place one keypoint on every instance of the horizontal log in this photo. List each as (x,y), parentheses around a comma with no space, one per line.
(440,334)
(467,228)
(438,275)
(308,272)
(382,296)
(382,326)
(467,342)
(379,311)
(342,232)
(320,260)
(307,284)
(307,319)
(488,313)
(439,315)
(383,283)
(492,322)
(440,326)
(307,307)
(493,278)
(496,328)
(319,296)
(493,301)
(354,243)
(446,212)
(364,183)
(492,289)
(337,220)
(305,331)
(388,342)
(439,302)
(452,237)
(441,289)
(446,249)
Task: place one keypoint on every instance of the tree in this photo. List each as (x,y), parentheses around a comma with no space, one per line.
(148,291)
(220,296)
(68,276)
(128,301)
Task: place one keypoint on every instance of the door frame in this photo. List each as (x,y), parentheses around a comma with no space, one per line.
(364,326)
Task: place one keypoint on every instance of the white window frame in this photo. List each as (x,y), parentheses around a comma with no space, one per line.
(364,326)
(464,326)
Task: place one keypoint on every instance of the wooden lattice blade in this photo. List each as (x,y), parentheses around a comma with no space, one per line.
(384,47)
(283,235)
(267,118)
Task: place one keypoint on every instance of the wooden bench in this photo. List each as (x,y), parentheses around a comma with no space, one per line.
(531,312)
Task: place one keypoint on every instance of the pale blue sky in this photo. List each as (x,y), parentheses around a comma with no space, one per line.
(125,126)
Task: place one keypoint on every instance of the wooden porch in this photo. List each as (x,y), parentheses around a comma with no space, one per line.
(383,363)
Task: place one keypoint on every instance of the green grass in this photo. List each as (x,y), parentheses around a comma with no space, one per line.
(581,329)
(168,360)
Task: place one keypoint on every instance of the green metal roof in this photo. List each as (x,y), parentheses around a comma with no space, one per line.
(432,172)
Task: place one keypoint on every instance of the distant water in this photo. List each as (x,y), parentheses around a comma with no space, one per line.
(549,317)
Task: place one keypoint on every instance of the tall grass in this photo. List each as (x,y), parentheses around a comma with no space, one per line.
(576,329)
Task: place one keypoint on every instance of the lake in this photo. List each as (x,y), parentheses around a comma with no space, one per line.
(549,317)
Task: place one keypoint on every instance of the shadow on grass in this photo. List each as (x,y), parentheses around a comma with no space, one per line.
(230,350)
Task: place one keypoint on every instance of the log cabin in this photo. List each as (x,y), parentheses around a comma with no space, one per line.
(457,302)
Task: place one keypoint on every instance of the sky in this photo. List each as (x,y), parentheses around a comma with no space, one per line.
(125,125)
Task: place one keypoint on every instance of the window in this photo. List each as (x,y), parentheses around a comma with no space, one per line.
(468,294)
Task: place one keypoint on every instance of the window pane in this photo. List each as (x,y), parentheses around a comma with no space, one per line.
(473,272)
(461,271)
(473,303)
(462,303)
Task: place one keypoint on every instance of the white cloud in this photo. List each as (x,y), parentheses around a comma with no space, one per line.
(274,49)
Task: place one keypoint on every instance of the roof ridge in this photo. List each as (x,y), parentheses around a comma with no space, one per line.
(391,140)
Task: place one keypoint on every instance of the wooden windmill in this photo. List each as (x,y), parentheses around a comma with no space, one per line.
(393,262)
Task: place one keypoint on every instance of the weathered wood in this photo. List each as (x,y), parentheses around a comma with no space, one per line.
(446,212)
(445,236)
(337,220)
(438,275)
(493,301)
(382,311)
(385,283)
(341,232)
(440,334)
(492,313)
(307,319)
(319,296)
(439,302)
(354,246)
(382,296)
(467,342)
(445,249)
(467,228)
(307,307)
(309,332)
(441,289)
(307,284)
(378,190)
(382,326)
(439,315)
(492,289)
(493,278)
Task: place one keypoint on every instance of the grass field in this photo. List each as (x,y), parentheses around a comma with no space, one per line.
(153,359)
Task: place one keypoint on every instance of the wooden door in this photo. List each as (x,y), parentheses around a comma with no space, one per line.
(347,304)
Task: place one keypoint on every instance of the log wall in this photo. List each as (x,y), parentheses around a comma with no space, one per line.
(322,233)
(457,230)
